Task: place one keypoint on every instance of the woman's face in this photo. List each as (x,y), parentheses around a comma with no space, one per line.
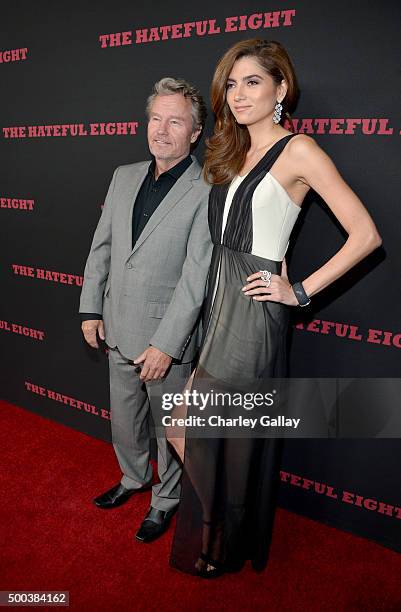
(251,92)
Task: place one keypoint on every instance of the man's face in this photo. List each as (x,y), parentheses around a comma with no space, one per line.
(170,128)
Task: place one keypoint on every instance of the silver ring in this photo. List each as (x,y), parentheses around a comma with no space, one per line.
(266,275)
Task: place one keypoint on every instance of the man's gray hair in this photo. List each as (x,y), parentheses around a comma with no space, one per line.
(169,86)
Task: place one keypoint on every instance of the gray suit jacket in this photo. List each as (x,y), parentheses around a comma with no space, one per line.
(153,293)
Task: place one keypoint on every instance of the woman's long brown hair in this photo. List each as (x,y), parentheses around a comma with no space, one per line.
(226,150)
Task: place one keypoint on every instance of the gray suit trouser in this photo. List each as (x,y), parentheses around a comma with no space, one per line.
(130,415)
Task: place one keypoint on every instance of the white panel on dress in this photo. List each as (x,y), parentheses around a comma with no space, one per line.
(273,217)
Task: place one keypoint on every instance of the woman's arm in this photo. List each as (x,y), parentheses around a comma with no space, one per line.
(314,167)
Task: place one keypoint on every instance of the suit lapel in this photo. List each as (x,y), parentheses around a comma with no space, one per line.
(140,176)
(176,193)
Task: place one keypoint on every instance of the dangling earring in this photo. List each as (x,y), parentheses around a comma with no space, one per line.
(277,113)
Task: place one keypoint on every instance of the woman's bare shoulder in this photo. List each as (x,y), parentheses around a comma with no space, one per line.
(302,148)
(302,144)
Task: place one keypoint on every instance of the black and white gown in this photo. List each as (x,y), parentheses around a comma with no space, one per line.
(229,485)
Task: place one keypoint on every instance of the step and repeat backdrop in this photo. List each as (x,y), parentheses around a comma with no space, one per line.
(74,80)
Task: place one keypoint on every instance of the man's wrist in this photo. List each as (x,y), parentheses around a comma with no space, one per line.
(158,349)
(90,316)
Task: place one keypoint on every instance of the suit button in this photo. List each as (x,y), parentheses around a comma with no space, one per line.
(130,266)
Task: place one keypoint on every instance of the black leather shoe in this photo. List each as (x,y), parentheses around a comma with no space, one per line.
(117,496)
(155,523)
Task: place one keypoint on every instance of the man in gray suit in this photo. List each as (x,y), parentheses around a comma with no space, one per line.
(144,285)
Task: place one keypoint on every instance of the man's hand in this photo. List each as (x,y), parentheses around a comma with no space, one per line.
(155,364)
(89,329)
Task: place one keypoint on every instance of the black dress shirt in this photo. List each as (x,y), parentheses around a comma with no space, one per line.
(151,193)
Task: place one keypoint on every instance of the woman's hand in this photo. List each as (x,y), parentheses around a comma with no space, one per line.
(279,289)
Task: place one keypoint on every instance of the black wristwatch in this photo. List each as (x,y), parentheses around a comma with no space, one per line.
(303,299)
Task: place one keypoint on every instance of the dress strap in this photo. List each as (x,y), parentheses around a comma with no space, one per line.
(238,236)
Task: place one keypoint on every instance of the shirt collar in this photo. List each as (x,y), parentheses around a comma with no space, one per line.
(176,171)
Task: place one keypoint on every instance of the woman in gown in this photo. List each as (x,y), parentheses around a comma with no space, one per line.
(260,173)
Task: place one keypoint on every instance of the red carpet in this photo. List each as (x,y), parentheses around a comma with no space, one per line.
(53,538)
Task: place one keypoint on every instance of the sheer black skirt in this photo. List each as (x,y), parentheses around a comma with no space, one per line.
(230,485)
